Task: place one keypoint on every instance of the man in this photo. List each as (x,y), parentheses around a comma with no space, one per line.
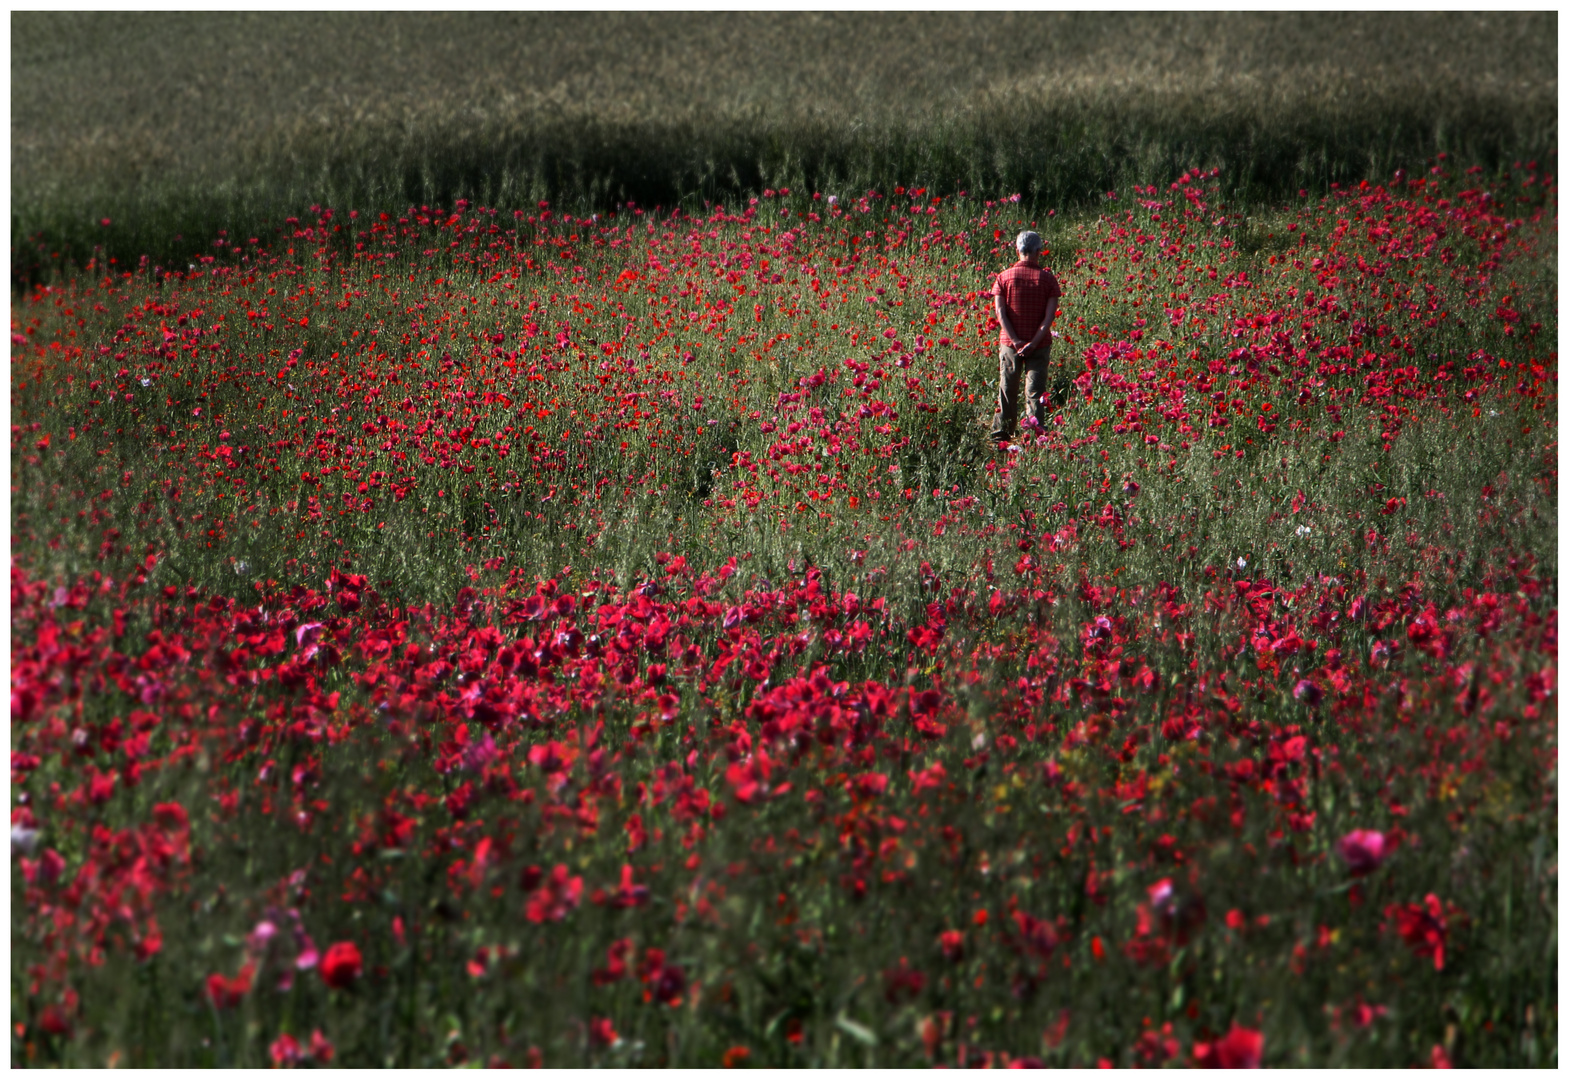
(1026,298)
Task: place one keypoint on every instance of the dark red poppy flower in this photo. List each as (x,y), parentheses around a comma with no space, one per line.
(902,983)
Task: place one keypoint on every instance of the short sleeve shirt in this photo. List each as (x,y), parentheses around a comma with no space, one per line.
(1024,290)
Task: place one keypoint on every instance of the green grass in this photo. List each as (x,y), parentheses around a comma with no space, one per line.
(174,126)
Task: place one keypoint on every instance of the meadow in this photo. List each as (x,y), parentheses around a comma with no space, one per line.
(544,629)
(396,576)
(176,125)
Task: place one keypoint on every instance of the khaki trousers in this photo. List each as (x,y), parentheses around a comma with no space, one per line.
(1033,368)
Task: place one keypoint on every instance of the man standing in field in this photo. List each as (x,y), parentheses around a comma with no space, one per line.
(1026,297)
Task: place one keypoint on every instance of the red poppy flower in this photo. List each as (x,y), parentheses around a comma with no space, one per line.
(602,1032)
(1239,1048)
(1424,926)
(54,1021)
(285,1051)
(342,965)
(171,817)
(227,993)
(556,897)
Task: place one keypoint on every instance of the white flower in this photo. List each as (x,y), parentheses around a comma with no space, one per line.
(1242,564)
(979,741)
(23,840)
(147,382)
(1304,530)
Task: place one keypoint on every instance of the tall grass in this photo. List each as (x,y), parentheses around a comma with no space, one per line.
(174,126)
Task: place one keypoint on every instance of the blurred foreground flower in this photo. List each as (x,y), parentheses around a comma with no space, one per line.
(1239,1048)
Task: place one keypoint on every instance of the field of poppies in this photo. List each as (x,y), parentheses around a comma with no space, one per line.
(481,635)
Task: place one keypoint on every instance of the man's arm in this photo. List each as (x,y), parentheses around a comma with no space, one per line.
(1043,335)
(1002,317)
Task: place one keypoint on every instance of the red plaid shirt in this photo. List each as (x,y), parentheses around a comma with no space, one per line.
(1024,290)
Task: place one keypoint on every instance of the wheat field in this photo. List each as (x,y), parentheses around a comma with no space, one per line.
(174,124)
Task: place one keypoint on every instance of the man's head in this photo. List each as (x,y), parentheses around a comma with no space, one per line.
(1029,244)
